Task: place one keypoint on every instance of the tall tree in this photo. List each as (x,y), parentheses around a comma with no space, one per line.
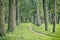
(36,16)
(38,22)
(12,15)
(49,8)
(45,14)
(17,13)
(2,21)
(54,16)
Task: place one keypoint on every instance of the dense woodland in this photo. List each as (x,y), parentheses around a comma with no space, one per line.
(13,13)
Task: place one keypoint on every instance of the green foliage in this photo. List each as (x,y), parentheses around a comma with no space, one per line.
(26,9)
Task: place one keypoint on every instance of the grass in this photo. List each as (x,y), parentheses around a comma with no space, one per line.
(49,32)
(22,32)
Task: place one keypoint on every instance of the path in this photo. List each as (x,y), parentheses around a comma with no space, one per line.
(31,29)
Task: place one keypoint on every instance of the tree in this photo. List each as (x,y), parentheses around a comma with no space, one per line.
(17,13)
(12,15)
(49,8)
(2,21)
(54,16)
(38,22)
(45,14)
(36,15)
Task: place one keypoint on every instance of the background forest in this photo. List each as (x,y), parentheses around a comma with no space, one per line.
(29,19)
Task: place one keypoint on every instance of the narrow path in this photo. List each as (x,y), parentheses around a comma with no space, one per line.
(31,29)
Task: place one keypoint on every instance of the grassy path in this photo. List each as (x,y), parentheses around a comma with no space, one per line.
(25,32)
(31,29)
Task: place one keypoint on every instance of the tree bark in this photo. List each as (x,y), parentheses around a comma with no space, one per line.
(17,13)
(38,22)
(36,13)
(12,16)
(45,14)
(54,16)
(2,21)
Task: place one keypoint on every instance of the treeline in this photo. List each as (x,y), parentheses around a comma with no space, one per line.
(37,12)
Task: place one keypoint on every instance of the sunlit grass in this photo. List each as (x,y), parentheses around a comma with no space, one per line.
(22,32)
(50,30)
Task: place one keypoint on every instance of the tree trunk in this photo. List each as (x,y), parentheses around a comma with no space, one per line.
(36,13)
(38,22)
(12,15)
(17,13)
(2,21)
(50,14)
(54,16)
(45,14)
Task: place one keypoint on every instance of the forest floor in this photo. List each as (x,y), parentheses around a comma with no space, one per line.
(28,31)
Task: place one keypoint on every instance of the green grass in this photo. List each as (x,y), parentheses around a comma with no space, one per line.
(49,32)
(22,32)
